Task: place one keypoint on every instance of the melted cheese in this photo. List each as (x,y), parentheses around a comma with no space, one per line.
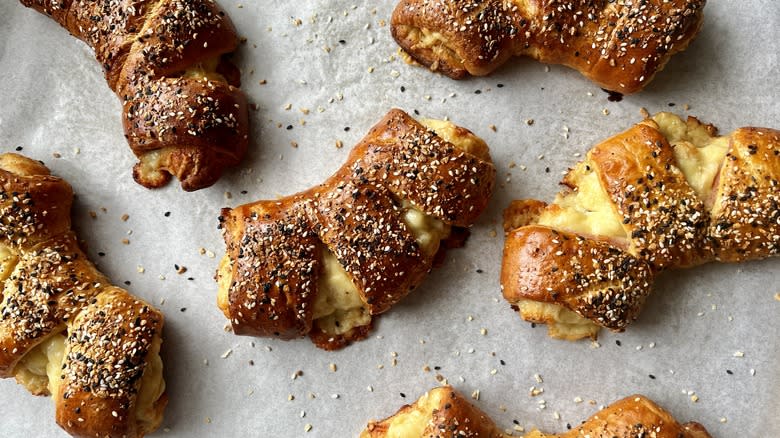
(413,421)
(699,155)
(151,162)
(150,391)
(41,368)
(586,210)
(562,323)
(338,307)
(7,262)
(205,70)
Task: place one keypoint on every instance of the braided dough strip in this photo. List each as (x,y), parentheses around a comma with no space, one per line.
(324,261)
(183,114)
(445,413)
(665,194)
(64,329)
(619,45)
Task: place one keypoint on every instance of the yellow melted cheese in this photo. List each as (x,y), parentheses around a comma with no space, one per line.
(40,372)
(562,323)
(205,70)
(413,422)
(338,307)
(699,155)
(586,210)
(7,262)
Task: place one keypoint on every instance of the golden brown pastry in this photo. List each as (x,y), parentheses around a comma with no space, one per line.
(65,330)
(444,413)
(183,112)
(618,45)
(665,194)
(325,261)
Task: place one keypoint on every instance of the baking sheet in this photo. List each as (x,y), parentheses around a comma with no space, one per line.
(331,71)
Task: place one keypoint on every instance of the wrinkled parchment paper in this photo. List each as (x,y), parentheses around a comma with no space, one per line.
(323,71)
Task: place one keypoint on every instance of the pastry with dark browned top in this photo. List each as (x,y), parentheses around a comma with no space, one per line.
(326,261)
(64,329)
(617,44)
(665,194)
(183,113)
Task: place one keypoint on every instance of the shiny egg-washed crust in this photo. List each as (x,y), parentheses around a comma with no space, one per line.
(274,247)
(618,45)
(445,413)
(606,279)
(183,113)
(591,277)
(54,289)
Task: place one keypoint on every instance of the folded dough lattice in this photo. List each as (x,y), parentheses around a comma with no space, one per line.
(619,45)
(444,413)
(182,112)
(64,329)
(325,261)
(667,193)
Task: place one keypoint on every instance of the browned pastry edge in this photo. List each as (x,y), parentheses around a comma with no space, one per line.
(274,247)
(619,46)
(52,289)
(166,60)
(445,413)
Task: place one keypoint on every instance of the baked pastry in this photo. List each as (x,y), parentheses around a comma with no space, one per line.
(65,330)
(325,261)
(444,413)
(182,110)
(665,194)
(618,45)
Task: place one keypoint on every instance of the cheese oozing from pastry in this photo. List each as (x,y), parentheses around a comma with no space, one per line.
(7,262)
(205,70)
(589,211)
(338,307)
(699,155)
(413,421)
(40,372)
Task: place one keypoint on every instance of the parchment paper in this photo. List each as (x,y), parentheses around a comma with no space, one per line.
(332,65)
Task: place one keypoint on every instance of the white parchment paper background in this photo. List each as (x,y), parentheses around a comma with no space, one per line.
(340,63)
